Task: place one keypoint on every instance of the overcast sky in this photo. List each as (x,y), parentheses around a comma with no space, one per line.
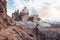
(44,8)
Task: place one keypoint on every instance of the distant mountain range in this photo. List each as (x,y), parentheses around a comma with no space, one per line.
(55,22)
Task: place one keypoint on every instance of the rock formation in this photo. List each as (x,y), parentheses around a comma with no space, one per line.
(10,31)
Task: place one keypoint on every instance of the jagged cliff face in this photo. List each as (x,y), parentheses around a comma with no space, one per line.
(3,6)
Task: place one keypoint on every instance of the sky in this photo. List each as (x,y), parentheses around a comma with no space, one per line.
(46,9)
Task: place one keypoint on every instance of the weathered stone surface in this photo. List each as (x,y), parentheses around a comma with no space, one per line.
(3,6)
(10,31)
(13,33)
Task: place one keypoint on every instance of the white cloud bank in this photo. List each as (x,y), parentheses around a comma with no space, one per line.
(45,8)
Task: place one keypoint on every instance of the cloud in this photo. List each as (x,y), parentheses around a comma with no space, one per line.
(9,12)
(6,0)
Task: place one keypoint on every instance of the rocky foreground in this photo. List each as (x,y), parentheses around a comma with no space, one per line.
(10,31)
